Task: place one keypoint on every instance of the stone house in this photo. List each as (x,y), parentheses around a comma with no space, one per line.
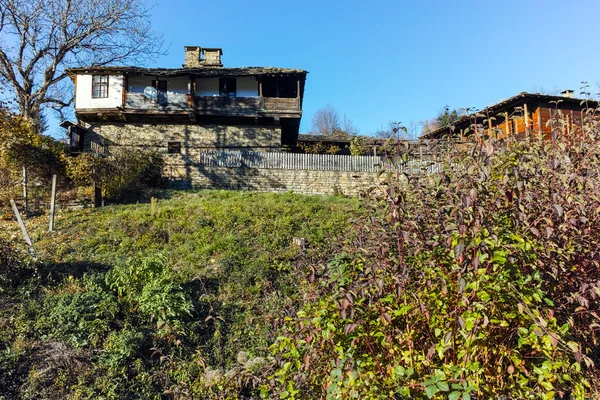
(182,111)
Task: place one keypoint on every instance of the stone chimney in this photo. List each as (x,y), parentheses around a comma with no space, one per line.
(212,57)
(192,57)
(568,93)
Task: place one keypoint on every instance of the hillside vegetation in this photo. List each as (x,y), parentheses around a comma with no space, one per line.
(478,281)
(132,301)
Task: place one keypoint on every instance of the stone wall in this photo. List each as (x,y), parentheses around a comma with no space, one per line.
(193,138)
(273,180)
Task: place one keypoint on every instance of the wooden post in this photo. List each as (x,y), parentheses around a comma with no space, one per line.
(97,195)
(23,229)
(25,202)
(526,118)
(540,129)
(298,95)
(124,92)
(191,91)
(52,203)
(507,127)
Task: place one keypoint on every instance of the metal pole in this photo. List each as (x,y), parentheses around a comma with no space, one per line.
(23,229)
(52,201)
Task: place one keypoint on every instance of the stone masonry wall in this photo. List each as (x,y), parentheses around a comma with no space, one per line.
(193,138)
(275,180)
(183,169)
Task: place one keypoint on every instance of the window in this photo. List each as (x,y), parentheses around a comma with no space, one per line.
(227,87)
(99,86)
(174,147)
(280,87)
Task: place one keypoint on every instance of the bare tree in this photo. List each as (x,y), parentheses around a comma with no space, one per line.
(348,126)
(326,121)
(553,91)
(429,125)
(39,39)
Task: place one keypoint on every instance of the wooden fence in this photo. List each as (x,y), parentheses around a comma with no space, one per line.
(324,162)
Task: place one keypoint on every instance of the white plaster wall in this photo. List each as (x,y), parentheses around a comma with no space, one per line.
(247,87)
(174,85)
(138,83)
(177,85)
(207,86)
(84,98)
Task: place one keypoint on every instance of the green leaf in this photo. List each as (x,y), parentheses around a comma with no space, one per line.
(484,296)
(454,395)
(443,386)
(431,390)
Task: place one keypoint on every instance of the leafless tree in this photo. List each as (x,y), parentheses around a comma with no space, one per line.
(553,91)
(348,126)
(39,39)
(326,121)
(429,125)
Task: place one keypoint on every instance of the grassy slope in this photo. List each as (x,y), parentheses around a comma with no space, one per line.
(197,232)
(235,249)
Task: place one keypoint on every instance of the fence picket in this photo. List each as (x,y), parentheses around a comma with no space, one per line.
(321,162)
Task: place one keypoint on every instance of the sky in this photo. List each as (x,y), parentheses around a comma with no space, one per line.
(381,61)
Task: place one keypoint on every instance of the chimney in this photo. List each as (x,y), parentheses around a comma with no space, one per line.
(568,93)
(192,57)
(212,57)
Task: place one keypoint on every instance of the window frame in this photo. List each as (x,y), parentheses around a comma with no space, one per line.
(100,85)
(173,147)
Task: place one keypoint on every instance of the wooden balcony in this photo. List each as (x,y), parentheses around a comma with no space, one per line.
(218,106)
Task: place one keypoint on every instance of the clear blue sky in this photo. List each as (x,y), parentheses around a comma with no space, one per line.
(377,61)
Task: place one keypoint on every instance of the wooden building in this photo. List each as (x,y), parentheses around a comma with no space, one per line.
(521,115)
(182,111)
(333,144)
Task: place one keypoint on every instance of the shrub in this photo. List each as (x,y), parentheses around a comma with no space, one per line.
(21,146)
(15,266)
(480,281)
(124,176)
(147,285)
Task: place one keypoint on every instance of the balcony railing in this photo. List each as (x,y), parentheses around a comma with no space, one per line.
(212,105)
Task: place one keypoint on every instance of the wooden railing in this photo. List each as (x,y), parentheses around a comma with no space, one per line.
(276,103)
(98,148)
(212,104)
(327,162)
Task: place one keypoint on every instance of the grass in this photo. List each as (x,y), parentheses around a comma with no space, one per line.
(197,232)
(199,274)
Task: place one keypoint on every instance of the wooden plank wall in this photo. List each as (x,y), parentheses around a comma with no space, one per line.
(514,124)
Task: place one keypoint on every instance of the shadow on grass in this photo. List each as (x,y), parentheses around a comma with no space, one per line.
(58,271)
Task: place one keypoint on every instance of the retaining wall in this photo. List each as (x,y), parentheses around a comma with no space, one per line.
(275,180)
